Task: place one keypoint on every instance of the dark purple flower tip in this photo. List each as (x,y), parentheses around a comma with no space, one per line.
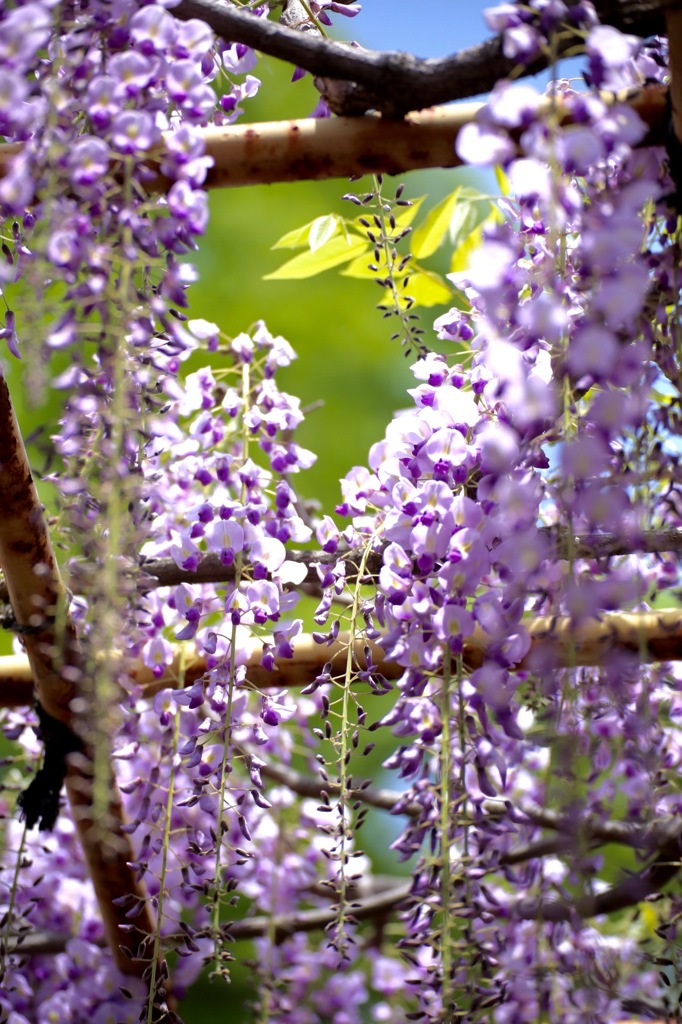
(206,513)
(188,632)
(210,643)
(268,663)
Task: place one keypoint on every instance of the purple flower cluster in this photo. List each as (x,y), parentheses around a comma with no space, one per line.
(207,492)
(56,897)
(556,418)
(548,431)
(321,9)
(105,198)
(102,254)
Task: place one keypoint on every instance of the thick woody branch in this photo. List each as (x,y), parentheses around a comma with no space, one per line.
(395,83)
(279,927)
(555,643)
(165,572)
(673,25)
(53,664)
(346,147)
(341,147)
(628,893)
(34,586)
(314,149)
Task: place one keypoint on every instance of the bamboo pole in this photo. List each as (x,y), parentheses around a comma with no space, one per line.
(555,643)
(346,147)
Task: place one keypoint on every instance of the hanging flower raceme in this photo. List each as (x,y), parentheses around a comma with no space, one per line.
(549,432)
(114,111)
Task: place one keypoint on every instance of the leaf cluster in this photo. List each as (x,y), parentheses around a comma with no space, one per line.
(331,241)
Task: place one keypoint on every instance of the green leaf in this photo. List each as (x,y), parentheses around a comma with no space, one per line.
(359,267)
(306,264)
(428,289)
(425,287)
(471,210)
(502,181)
(297,238)
(321,230)
(429,235)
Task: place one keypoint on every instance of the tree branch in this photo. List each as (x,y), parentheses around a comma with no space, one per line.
(281,926)
(648,837)
(165,572)
(39,606)
(307,786)
(395,83)
(343,147)
(628,893)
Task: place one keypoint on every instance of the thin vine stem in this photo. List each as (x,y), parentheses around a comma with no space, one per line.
(445,820)
(345,752)
(164,860)
(225,762)
(4,952)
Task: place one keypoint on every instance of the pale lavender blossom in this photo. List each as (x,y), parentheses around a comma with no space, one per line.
(480,144)
(133,131)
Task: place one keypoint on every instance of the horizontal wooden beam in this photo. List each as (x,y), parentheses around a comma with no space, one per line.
(555,643)
(347,147)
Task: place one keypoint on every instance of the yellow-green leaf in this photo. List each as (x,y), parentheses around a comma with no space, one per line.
(461,256)
(424,286)
(297,238)
(359,267)
(429,235)
(428,288)
(322,229)
(470,211)
(306,264)
(502,181)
